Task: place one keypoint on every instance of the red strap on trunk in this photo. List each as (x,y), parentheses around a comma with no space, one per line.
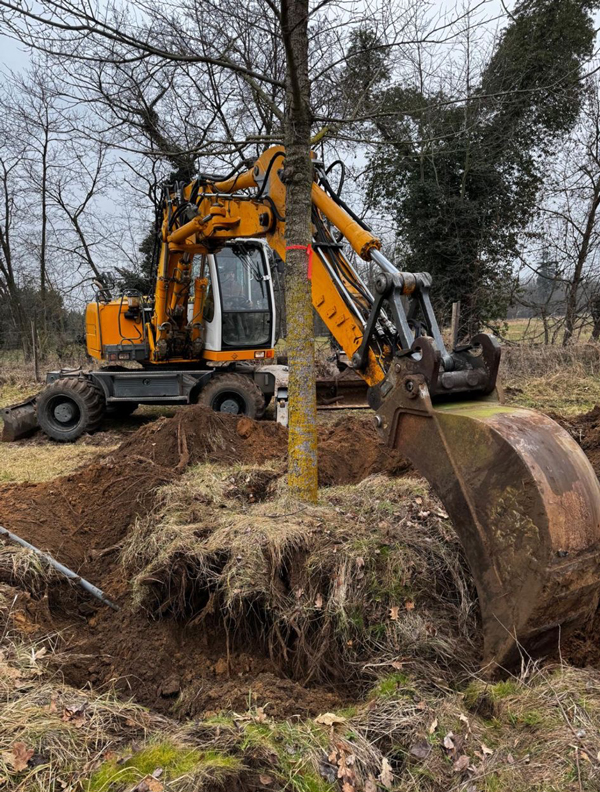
(309,253)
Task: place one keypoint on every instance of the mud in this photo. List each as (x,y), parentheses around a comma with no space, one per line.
(82,519)
(585,429)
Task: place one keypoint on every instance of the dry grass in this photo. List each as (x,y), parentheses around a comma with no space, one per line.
(333,591)
(53,737)
(25,461)
(562,380)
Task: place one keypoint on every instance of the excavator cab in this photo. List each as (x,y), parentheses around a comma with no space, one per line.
(239,308)
(226,313)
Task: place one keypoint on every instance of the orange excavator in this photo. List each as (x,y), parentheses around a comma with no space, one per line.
(520,492)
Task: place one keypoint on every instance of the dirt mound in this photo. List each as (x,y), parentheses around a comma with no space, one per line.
(84,518)
(585,429)
(350,451)
(80,517)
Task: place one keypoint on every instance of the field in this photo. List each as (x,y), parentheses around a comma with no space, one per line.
(263,646)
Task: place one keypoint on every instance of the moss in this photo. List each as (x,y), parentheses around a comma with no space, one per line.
(396,685)
(531,718)
(174,760)
(293,744)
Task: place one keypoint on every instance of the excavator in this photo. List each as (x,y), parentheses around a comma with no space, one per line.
(520,492)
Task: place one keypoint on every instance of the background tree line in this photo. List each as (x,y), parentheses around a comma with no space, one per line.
(469,142)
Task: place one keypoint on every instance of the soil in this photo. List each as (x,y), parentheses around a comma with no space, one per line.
(586,431)
(82,518)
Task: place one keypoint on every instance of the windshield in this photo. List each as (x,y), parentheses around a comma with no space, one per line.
(244,296)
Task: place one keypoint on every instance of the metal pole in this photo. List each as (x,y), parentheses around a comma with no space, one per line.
(454,324)
(68,573)
(34,347)
(378,257)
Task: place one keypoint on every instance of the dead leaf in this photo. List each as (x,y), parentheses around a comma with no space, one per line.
(420,750)
(419,501)
(40,653)
(461,763)
(463,719)
(329,719)
(346,787)
(18,758)
(485,750)
(397,664)
(154,785)
(394,613)
(409,605)
(585,756)
(319,601)
(442,515)
(510,759)
(370,784)
(448,742)
(265,780)
(433,726)
(422,705)
(260,716)
(75,715)
(386,776)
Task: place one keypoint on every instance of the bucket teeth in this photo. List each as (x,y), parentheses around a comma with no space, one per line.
(525,503)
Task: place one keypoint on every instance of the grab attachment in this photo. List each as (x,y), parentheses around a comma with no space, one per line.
(524,501)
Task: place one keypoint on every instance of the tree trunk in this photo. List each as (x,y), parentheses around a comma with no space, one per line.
(571,309)
(302,448)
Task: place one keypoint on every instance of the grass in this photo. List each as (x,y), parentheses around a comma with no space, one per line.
(25,461)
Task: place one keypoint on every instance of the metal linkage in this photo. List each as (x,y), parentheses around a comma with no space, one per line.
(390,286)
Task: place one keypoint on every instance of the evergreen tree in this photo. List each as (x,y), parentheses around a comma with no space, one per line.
(461,179)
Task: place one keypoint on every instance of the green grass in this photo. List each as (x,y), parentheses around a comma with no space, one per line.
(174,761)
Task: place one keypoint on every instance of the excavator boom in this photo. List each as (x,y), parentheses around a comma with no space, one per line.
(521,493)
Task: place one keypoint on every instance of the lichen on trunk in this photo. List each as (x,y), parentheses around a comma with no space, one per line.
(302,469)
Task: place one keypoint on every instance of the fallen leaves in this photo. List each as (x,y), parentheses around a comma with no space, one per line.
(420,750)
(386,776)
(329,719)
(461,764)
(18,757)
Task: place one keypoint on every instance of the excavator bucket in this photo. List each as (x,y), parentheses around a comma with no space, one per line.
(525,502)
(20,420)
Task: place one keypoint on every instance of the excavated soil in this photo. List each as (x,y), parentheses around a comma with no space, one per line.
(82,518)
(586,431)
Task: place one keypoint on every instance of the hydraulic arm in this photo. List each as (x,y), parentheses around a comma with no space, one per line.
(521,493)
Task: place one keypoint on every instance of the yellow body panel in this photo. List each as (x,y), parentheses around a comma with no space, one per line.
(106,325)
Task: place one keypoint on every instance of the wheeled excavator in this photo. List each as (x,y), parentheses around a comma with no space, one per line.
(520,492)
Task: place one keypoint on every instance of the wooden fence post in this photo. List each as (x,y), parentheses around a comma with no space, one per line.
(34,348)
(454,324)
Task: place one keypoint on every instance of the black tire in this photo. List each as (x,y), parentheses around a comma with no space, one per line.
(236,394)
(69,407)
(120,409)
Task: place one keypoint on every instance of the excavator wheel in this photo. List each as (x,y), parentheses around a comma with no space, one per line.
(237,394)
(69,407)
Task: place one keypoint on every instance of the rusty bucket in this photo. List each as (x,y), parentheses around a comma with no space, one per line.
(525,503)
